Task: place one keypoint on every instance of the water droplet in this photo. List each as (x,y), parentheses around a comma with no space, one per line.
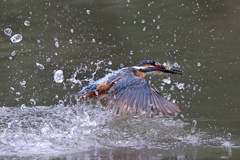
(211,30)
(110,63)
(26,23)
(16,38)
(168,97)
(23,107)
(13,53)
(180,85)
(48,59)
(33,102)
(40,66)
(144,29)
(71,30)
(8,31)
(23,82)
(172,88)
(96,92)
(56,42)
(182,116)
(70,41)
(61,103)
(58,76)
(176,64)
(229,135)
(88,11)
(93,40)
(143,21)
(158,26)
(167,80)
(121,65)
(131,52)
(198,64)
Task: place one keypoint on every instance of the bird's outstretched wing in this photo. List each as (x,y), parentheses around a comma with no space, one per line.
(133,94)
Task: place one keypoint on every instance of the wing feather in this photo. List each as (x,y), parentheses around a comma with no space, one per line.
(167,106)
(160,104)
(134,94)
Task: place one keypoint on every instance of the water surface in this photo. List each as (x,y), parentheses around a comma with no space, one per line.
(67,44)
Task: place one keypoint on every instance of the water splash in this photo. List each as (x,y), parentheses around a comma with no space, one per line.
(29,130)
(68,129)
(193,127)
(227,142)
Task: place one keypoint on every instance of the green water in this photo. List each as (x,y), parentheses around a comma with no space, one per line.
(81,37)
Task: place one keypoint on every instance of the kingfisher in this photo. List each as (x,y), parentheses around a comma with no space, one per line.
(127,91)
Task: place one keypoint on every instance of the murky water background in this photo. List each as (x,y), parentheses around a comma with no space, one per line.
(50,49)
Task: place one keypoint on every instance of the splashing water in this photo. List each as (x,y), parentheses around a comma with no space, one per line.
(193,128)
(28,130)
(70,129)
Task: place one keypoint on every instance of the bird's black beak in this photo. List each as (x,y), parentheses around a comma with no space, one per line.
(171,70)
(174,70)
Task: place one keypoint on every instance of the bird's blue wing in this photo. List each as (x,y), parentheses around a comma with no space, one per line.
(133,94)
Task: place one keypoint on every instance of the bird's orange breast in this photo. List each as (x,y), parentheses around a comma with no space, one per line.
(140,73)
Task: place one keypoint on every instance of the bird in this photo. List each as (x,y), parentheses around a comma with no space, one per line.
(127,91)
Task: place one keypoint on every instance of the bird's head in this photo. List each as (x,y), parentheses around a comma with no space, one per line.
(151,66)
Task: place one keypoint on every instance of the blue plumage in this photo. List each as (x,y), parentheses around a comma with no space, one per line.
(128,92)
